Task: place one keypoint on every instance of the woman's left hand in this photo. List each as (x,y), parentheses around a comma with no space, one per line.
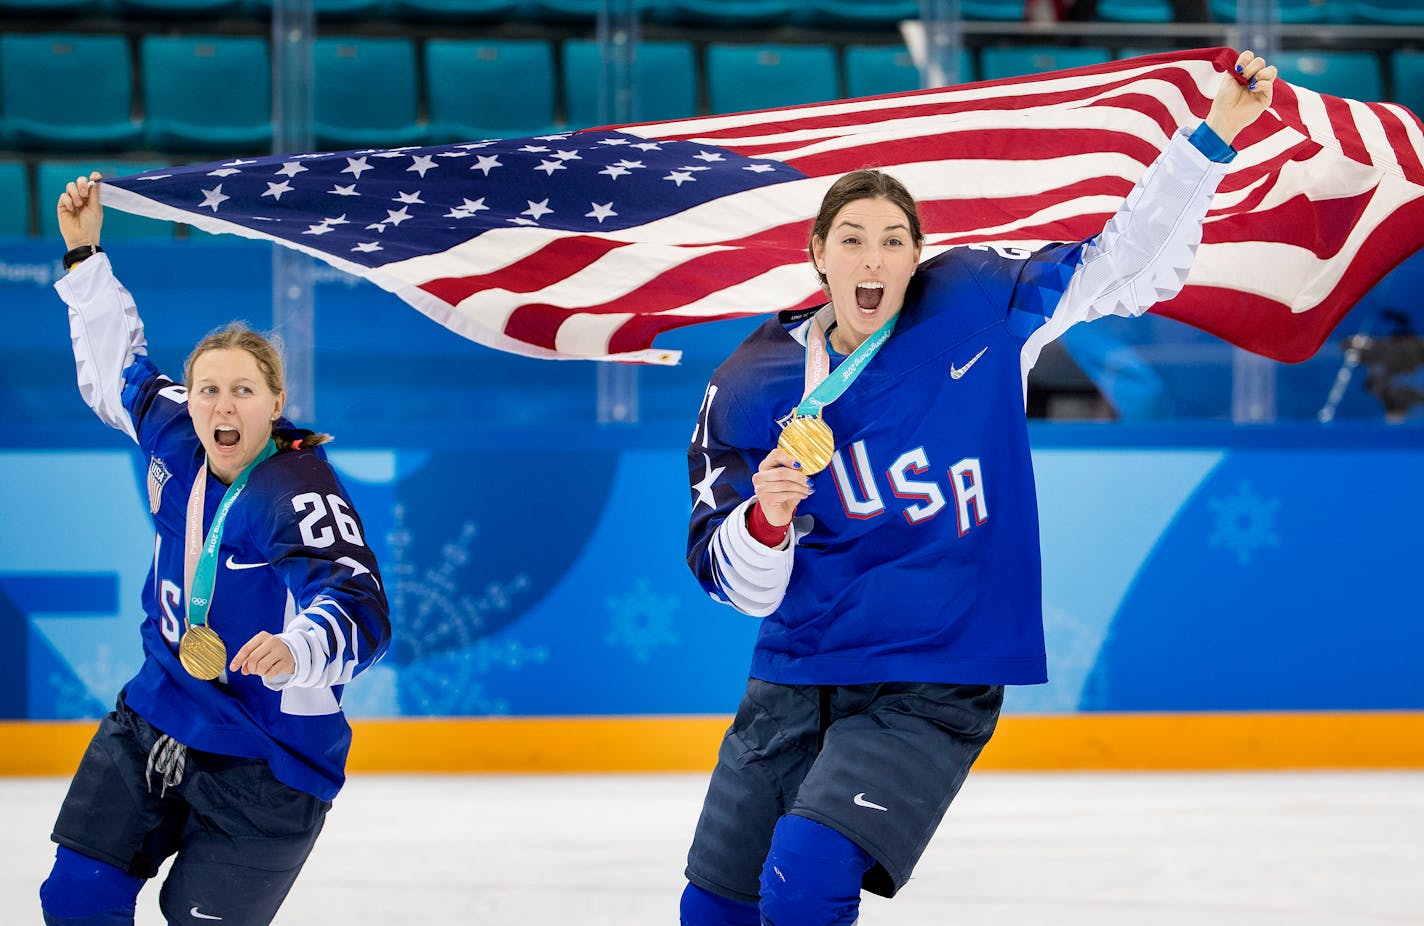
(264,655)
(1237,104)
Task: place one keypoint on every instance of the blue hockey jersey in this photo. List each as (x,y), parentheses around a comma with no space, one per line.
(917,557)
(293,561)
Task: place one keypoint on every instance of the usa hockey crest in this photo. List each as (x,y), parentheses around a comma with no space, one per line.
(158,475)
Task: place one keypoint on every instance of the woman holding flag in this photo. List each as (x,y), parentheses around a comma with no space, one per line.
(263,601)
(861,480)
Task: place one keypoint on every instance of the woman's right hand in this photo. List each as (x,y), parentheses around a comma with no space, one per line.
(780,486)
(79,211)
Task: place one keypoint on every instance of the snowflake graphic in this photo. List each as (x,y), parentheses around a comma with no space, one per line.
(73,695)
(430,613)
(72,701)
(642,620)
(439,632)
(1245,523)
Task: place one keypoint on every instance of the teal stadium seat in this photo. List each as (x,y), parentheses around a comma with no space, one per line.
(333,9)
(366,93)
(857,14)
(1290,12)
(1135,11)
(458,10)
(176,8)
(664,78)
(207,93)
(1388,12)
(68,92)
(996,63)
(580,11)
(1353,74)
(15,194)
(52,176)
(49,7)
(871,70)
(489,89)
(729,14)
(995,10)
(744,77)
(1406,70)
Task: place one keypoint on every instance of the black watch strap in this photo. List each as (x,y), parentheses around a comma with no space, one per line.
(83,252)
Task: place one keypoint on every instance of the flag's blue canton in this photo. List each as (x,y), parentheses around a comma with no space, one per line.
(375,207)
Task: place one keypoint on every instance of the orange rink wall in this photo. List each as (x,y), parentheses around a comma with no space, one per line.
(1072,742)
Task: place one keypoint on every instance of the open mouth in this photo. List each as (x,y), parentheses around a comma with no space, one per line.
(868,296)
(226,436)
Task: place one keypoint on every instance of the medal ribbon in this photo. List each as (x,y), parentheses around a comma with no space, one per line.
(824,387)
(200,557)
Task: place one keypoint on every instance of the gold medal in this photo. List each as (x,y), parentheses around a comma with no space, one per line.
(810,441)
(202,652)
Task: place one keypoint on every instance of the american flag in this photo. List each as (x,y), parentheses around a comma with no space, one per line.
(587,245)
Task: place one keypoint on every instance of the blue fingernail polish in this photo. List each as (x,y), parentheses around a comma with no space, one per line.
(1252,84)
(1238,69)
(796,463)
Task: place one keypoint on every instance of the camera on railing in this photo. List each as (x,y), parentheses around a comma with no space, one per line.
(1388,359)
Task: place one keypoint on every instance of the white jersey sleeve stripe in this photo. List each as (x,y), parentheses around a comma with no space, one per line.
(753,577)
(106,333)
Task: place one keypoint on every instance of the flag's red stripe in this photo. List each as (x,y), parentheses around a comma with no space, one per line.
(544,267)
(1404,153)
(1343,123)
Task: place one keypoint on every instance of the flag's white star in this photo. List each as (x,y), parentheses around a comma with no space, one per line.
(614,170)
(759,168)
(395,218)
(321,229)
(549,167)
(356,166)
(521,221)
(238,162)
(562,136)
(453,154)
(535,149)
(537,210)
(486,163)
(275,190)
(474,205)
(601,212)
(420,163)
(708,156)
(695,167)
(377,227)
(680,177)
(344,190)
(213,198)
(339,220)
(410,198)
(476,144)
(367,247)
(394,152)
(703,489)
(631,165)
(224,172)
(648,146)
(568,156)
(290,169)
(613,141)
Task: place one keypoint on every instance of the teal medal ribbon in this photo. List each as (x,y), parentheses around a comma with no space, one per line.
(823,388)
(201,650)
(806,436)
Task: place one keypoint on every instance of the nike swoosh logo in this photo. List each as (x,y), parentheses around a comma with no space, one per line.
(860,800)
(234,564)
(956,372)
(194,912)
